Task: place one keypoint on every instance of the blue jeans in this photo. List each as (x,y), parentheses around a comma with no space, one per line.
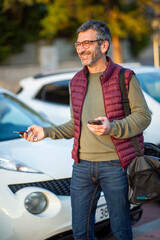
(88,180)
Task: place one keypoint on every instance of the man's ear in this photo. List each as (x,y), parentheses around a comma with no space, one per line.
(104,46)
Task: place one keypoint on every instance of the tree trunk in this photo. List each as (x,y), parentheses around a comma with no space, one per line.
(117,50)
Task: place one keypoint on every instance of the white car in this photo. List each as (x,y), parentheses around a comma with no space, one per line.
(35,179)
(48,94)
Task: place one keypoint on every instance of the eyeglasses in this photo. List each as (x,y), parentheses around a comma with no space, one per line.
(86,44)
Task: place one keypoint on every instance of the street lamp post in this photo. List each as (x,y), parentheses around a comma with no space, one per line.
(156,40)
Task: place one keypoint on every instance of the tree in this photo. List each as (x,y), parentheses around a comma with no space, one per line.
(19,23)
(30,20)
(126,19)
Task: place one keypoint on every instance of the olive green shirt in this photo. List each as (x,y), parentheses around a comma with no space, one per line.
(101,148)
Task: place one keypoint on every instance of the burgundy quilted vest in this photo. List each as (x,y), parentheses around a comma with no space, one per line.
(113,108)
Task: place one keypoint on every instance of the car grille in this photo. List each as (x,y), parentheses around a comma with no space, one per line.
(58,187)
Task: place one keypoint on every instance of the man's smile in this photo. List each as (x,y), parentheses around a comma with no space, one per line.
(84,55)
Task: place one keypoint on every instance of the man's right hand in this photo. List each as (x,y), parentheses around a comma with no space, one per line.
(34,133)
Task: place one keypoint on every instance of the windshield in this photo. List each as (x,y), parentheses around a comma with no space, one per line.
(16,116)
(150,83)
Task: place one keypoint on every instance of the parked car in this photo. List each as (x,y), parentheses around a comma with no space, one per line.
(35,179)
(49,94)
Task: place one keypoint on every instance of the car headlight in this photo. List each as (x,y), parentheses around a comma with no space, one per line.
(35,202)
(6,163)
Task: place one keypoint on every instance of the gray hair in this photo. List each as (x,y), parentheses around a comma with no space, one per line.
(102,29)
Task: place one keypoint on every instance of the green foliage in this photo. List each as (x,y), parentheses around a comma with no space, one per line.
(122,18)
(29,20)
(137,45)
(11,36)
(19,23)
(126,19)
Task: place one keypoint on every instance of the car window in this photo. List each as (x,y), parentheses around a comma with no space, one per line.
(57,92)
(150,83)
(16,116)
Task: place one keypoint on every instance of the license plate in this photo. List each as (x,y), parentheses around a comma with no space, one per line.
(101,213)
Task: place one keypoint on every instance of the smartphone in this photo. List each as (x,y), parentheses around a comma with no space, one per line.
(95,122)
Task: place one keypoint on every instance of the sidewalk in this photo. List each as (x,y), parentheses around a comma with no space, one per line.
(148,228)
(148,231)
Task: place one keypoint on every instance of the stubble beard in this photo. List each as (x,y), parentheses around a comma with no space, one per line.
(94,57)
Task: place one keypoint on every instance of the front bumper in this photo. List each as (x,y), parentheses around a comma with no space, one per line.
(17,223)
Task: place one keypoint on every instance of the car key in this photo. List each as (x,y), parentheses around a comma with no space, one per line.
(21,132)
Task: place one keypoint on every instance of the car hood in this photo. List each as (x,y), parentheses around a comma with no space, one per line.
(52,157)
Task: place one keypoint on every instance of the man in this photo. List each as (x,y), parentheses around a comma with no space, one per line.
(101,152)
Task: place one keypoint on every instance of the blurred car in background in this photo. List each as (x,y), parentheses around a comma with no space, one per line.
(35,180)
(49,95)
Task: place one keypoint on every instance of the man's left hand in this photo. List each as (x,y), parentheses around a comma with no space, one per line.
(100,129)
